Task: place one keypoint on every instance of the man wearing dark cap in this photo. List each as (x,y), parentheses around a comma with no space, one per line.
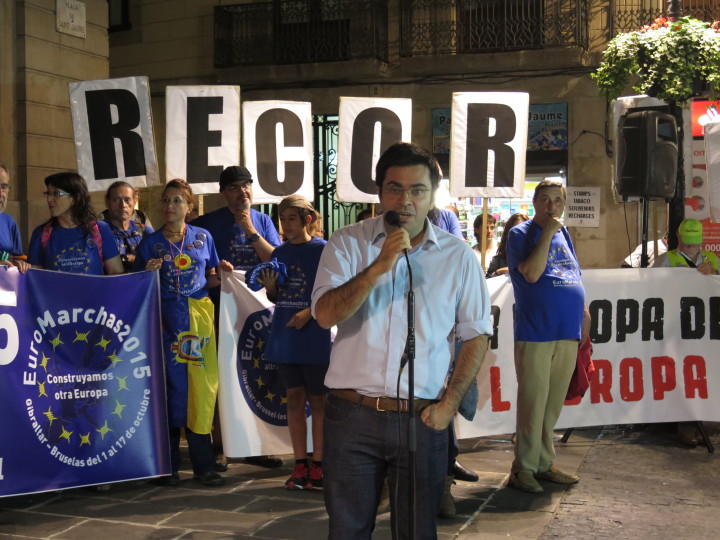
(244,237)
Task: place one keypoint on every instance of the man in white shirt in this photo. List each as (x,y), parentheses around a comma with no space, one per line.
(362,287)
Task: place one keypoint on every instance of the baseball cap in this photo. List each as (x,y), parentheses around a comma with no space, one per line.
(297,201)
(691,231)
(234,173)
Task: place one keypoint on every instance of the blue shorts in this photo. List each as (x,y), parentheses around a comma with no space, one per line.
(311,376)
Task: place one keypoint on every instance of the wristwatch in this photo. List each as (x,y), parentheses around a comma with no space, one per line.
(254,238)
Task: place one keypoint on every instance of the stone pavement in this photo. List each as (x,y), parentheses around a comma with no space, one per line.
(637,483)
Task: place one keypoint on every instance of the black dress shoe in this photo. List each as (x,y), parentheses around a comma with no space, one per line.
(211,479)
(269,462)
(461,473)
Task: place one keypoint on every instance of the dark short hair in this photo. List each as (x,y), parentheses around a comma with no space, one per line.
(406,155)
(547,184)
(478,220)
(117,185)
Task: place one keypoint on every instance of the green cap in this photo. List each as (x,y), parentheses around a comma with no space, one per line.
(690,231)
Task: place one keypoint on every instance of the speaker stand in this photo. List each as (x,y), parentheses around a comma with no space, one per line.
(644,259)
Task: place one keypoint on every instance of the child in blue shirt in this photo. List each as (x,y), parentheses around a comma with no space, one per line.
(297,344)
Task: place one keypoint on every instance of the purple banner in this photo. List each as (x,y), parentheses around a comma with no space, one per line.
(82,385)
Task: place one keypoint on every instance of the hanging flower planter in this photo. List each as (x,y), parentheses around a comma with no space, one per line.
(668,60)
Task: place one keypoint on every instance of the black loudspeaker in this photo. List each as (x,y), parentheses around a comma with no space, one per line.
(647,155)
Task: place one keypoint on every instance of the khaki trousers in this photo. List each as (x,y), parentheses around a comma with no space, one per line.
(543,370)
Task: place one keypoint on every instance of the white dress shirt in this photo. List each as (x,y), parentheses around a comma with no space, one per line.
(451,297)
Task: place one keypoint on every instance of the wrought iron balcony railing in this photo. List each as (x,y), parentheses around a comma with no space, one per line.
(470,26)
(272,32)
(275,32)
(630,15)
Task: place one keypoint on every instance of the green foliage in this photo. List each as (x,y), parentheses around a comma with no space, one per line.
(665,60)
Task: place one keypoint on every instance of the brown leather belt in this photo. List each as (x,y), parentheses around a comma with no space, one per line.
(381,404)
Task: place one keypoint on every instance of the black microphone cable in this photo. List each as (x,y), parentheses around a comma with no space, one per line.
(392,219)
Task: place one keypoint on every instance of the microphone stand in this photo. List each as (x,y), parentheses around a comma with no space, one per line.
(409,358)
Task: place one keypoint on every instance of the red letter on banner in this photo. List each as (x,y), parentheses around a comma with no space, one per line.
(601,383)
(498,405)
(663,376)
(631,379)
(695,374)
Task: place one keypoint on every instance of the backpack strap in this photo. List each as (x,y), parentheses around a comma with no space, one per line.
(97,237)
(45,236)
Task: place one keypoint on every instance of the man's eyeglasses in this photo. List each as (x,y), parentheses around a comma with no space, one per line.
(416,193)
(55,194)
(232,188)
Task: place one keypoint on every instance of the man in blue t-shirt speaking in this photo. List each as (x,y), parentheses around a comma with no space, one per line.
(551,319)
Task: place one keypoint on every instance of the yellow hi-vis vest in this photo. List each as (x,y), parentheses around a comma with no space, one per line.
(678,260)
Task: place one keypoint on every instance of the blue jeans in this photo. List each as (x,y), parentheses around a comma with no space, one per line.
(361,448)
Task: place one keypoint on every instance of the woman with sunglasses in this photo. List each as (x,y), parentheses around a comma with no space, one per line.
(186,259)
(73,240)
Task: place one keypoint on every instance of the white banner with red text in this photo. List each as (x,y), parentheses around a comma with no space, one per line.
(655,334)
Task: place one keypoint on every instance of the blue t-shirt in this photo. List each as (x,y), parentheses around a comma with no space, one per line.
(448,221)
(311,343)
(184,263)
(552,308)
(72,250)
(127,241)
(10,241)
(231,241)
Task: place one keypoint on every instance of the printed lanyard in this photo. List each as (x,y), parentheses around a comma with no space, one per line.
(181,260)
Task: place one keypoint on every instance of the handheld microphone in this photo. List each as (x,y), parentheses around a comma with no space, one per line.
(392,218)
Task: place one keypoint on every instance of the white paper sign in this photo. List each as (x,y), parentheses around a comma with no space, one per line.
(278,149)
(202,134)
(582,208)
(368,126)
(488,144)
(70,18)
(112,125)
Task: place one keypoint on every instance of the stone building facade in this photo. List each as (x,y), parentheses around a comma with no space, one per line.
(317,51)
